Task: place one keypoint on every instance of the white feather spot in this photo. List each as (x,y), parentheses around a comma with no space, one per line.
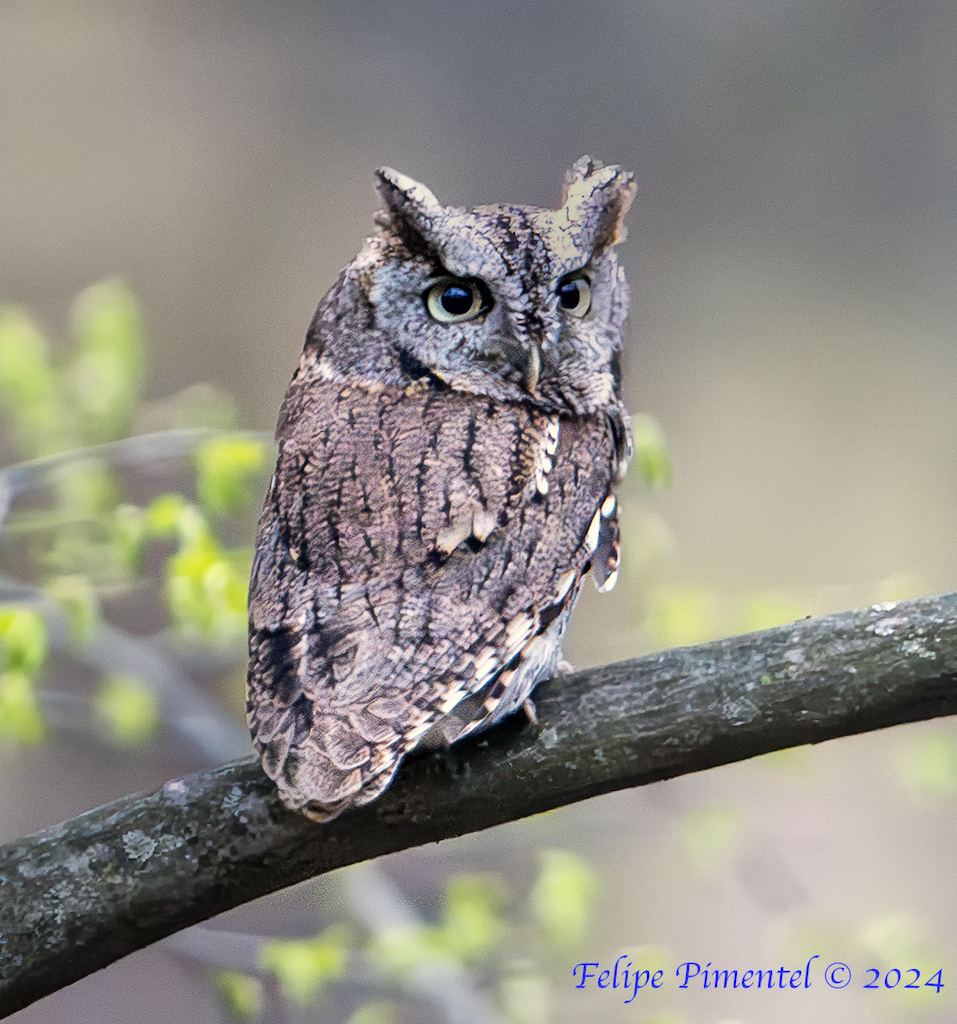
(451,699)
(483,522)
(552,426)
(543,455)
(324,369)
(450,538)
(485,665)
(608,506)
(564,584)
(591,538)
(519,630)
(610,581)
(410,736)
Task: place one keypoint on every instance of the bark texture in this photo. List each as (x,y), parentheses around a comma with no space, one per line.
(76,897)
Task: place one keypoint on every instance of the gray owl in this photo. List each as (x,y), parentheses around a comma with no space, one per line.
(447,451)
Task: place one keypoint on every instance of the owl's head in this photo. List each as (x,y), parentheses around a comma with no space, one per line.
(512,302)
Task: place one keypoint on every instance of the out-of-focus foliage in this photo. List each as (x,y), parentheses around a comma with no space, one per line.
(226,468)
(710,836)
(379,1012)
(304,968)
(563,898)
(129,709)
(926,763)
(651,459)
(517,947)
(28,386)
(77,599)
(205,582)
(20,717)
(23,639)
(23,652)
(85,395)
(469,930)
(77,531)
(104,375)
(240,994)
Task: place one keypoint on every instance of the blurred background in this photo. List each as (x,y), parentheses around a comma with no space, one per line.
(793,260)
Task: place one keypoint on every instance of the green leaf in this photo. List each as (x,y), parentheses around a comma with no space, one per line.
(651,456)
(241,994)
(23,639)
(86,489)
(27,384)
(206,586)
(207,594)
(107,371)
(765,611)
(563,897)
(472,922)
(225,470)
(684,615)
(20,717)
(379,1012)
(162,515)
(129,535)
(524,992)
(927,763)
(401,949)
(898,941)
(129,709)
(77,598)
(711,836)
(305,967)
(171,515)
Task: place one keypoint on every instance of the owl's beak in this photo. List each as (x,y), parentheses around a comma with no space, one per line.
(533,368)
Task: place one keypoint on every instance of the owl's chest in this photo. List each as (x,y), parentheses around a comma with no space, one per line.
(387,482)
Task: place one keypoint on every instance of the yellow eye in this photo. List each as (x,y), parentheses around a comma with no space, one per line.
(453,300)
(574,295)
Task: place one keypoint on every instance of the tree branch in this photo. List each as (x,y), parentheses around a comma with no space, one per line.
(76,897)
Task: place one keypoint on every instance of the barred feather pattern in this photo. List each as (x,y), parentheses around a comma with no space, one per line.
(413,577)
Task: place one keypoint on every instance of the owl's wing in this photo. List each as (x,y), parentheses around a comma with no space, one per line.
(414,550)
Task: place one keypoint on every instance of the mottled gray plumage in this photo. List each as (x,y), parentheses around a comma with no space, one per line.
(447,449)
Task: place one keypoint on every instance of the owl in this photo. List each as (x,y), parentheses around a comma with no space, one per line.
(448,449)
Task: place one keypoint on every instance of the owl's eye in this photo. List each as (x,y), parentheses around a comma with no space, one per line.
(453,300)
(574,295)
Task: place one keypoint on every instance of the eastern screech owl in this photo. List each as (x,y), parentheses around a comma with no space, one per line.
(447,449)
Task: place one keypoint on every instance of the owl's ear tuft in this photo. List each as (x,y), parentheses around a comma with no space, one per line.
(409,204)
(579,171)
(597,198)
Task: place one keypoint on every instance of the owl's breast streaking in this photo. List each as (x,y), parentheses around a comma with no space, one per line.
(415,547)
